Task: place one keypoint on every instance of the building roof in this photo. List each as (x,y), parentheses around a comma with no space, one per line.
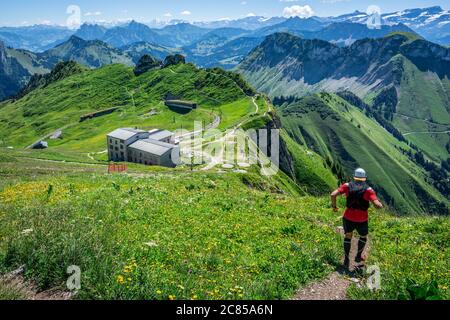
(124,134)
(152,146)
(160,135)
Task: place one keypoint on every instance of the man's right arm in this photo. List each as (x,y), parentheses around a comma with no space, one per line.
(334,196)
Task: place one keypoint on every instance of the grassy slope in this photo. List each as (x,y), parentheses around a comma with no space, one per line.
(241,243)
(424,96)
(368,146)
(311,174)
(27,60)
(423,107)
(245,240)
(310,170)
(61,104)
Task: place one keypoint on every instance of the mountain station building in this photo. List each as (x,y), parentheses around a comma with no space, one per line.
(152,148)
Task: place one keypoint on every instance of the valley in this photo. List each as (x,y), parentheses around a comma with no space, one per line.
(391,83)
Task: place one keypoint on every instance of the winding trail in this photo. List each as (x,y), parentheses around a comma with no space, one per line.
(90,155)
(255,104)
(335,286)
(426,132)
(420,119)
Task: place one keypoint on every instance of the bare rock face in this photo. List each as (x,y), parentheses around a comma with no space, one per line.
(174,60)
(145,64)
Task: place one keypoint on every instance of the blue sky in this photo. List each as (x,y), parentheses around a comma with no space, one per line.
(21,12)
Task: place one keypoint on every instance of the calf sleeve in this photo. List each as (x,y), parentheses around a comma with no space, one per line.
(361,246)
(347,247)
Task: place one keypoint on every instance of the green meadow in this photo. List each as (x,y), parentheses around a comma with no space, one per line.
(221,236)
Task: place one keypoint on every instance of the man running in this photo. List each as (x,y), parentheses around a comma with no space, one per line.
(356,217)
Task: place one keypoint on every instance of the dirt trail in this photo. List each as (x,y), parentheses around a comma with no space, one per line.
(14,284)
(335,286)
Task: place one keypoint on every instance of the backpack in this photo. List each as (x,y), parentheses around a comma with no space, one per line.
(355,199)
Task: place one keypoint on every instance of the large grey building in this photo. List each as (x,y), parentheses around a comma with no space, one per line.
(154,147)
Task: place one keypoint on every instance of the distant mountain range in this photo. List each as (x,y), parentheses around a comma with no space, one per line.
(431,23)
(210,44)
(34,38)
(223,47)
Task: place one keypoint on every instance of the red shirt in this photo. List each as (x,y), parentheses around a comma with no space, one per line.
(355,215)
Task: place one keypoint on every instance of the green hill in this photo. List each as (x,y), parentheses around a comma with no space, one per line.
(60,105)
(18,66)
(343,134)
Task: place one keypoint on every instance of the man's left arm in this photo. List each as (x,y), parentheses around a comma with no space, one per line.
(374,199)
(378,204)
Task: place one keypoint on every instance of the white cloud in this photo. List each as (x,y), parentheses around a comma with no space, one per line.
(298,11)
(89,14)
(251,14)
(186,13)
(334,1)
(289,0)
(168,15)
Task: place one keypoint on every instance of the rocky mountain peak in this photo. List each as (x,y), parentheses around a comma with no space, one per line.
(76,40)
